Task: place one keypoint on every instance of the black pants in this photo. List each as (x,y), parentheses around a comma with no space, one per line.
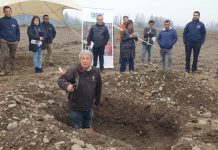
(98,52)
(188,50)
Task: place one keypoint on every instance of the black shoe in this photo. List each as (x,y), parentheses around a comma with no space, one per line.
(101,71)
(188,71)
(40,70)
(36,70)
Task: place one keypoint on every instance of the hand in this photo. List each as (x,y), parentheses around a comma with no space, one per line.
(132,35)
(41,38)
(70,88)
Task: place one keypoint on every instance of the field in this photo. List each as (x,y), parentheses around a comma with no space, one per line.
(149,109)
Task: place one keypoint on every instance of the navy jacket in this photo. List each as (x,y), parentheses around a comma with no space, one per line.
(194,33)
(99,35)
(35,35)
(9,29)
(50,32)
(167,38)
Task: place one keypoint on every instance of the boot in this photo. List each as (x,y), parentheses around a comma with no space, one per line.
(40,70)
(36,70)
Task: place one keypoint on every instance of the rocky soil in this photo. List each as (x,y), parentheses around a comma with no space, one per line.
(149,109)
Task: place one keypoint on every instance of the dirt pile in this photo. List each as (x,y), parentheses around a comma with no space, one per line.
(29,117)
(155,105)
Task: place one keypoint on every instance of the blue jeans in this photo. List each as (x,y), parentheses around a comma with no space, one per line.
(166,58)
(146,49)
(37,58)
(123,64)
(81,119)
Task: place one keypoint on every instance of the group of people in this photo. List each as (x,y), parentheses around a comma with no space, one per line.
(193,37)
(83,82)
(40,38)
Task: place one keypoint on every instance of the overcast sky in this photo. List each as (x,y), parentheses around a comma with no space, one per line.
(180,11)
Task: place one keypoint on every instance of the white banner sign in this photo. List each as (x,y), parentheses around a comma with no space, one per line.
(89,19)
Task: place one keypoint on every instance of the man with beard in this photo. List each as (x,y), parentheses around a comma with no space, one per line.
(193,37)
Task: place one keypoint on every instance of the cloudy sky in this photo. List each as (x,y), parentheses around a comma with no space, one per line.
(180,11)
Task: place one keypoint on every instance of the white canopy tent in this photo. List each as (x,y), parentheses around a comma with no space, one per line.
(53,8)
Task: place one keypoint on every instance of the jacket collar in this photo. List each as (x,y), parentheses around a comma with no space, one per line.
(167,30)
(82,70)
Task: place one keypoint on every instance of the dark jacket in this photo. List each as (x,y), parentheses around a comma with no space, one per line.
(88,88)
(167,38)
(9,29)
(127,45)
(149,33)
(194,32)
(99,35)
(34,34)
(50,32)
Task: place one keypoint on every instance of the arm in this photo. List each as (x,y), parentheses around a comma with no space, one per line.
(203,33)
(98,90)
(154,33)
(89,38)
(54,31)
(31,34)
(185,32)
(0,28)
(66,79)
(175,37)
(18,32)
(125,37)
(145,33)
(159,38)
(107,35)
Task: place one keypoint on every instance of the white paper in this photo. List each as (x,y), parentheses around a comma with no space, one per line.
(39,43)
(92,44)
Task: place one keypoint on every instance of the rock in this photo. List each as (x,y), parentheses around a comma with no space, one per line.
(207,114)
(12,105)
(196,148)
(45,139)
(41,86)
(33,144)
(50,102)
(20,148)
(58,145)
(42,105)
(190,95)
(1,148)
(161,88)
(162,99)
(48,117)
(12,126)
(119,84)
(77,141)
(24,121)
(90,147)
(187,139)
(76,147)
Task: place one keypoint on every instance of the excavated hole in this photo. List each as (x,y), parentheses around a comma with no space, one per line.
(144,127)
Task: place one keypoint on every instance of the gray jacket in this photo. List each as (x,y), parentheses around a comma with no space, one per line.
(149,33)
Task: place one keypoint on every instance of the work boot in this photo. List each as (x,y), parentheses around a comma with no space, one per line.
(36,70)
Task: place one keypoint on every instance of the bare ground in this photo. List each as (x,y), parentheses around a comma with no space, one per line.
(149,109)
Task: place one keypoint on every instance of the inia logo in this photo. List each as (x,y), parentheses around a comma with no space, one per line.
(95,14)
